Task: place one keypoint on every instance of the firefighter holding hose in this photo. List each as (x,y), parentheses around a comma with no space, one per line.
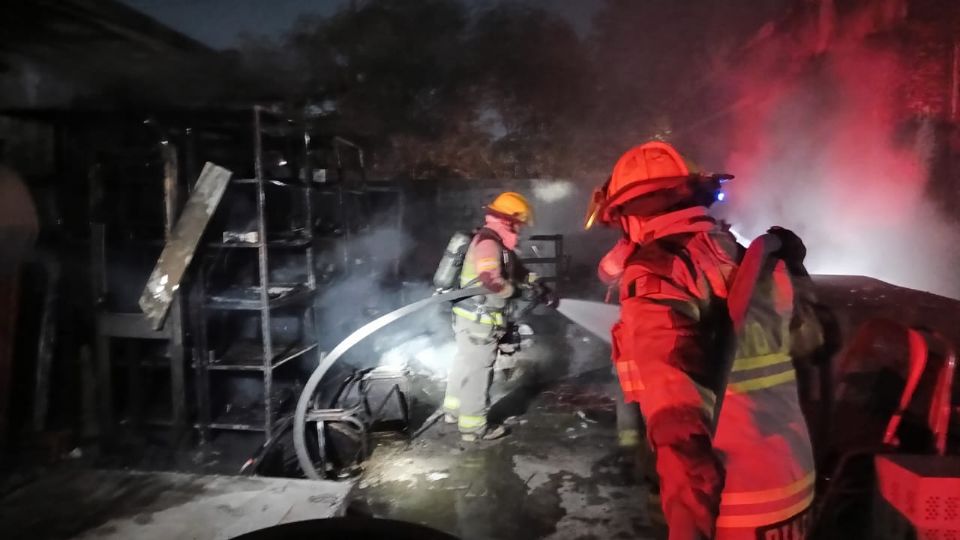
(480,323)
(748,473)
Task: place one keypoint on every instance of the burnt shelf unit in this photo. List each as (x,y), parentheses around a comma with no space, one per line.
(227,356)
(153,361)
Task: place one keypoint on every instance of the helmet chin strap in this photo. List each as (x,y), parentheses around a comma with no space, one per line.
(632,227)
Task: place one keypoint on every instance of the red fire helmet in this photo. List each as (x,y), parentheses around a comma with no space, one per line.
(649,178)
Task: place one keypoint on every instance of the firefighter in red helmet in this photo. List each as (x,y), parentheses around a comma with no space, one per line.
(743,469)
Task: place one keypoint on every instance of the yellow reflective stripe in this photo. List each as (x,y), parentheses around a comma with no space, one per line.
(628,437)
(472,422)
(760,383)
(743,364)
(487,263)
(451,403)
(768,495)
(467,273)
(493,318)
(767,518)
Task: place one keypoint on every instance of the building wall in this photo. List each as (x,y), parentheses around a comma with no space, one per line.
(27,146)
(25,84)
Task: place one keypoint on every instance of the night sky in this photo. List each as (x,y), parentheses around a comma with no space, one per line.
(220,23)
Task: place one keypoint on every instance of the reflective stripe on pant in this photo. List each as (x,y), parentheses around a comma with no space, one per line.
(629,421)
(796,527)
(763,439)
(469,380)
(487,318)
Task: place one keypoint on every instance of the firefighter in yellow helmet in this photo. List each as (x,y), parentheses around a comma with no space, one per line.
(680,349)
(481,322)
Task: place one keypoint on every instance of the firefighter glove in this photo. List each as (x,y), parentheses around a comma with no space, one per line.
(538,293)
(551,300)
(792,250)
(546,295)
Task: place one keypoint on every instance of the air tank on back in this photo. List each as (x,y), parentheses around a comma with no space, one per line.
(448,271)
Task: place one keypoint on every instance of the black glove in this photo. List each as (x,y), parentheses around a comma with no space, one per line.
(538,293)
(548,297)
(792,250)
(529,292)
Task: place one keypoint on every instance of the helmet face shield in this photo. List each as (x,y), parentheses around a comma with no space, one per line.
(597,200)
(653,197)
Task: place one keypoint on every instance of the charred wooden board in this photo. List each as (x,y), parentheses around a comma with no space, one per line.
(179,250)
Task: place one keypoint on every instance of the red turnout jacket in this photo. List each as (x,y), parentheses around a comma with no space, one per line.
(755,478)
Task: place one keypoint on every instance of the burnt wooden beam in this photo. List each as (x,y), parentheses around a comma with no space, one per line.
(165,279)
(46,343)
(178,396)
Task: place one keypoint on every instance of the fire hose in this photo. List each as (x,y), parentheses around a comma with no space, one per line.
(300,416)
(596,321)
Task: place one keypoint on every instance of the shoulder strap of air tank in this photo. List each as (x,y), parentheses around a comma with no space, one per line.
(486,233)
(483,233)
(677,245)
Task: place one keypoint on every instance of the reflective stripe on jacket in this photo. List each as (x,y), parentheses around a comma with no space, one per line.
(668,351)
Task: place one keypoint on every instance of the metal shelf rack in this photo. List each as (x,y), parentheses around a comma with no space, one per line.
(143,348)
(267,353)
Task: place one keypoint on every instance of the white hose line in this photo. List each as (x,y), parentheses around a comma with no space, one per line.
(300,416)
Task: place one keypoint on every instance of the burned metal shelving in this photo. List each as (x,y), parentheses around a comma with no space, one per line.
(124,326)
(248,356)
(555,263)
(261,356)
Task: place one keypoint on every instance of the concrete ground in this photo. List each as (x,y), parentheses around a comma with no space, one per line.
(103,504)
(558,475)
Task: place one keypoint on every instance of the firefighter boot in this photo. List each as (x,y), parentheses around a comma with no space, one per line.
(489,433)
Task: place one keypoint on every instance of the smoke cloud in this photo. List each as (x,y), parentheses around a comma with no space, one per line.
(550,191)
(368,287)
(821,143)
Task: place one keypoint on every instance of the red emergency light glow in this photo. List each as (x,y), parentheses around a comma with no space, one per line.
(824,144)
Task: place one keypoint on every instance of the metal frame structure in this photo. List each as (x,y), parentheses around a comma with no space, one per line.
(112,325)
(353,415)
(213,360)
(843,482)
(560,262)
(262,301)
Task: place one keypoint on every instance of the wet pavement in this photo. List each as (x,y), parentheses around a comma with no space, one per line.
(558,475)
(71,502)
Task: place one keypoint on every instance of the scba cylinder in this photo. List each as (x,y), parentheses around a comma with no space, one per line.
(448,271)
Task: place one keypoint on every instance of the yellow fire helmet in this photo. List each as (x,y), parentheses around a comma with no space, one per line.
(512,206)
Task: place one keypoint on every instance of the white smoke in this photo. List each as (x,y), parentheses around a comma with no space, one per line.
(825,149)
(551,191)
(429,355)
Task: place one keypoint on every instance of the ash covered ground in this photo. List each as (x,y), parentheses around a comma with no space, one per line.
(558,475)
